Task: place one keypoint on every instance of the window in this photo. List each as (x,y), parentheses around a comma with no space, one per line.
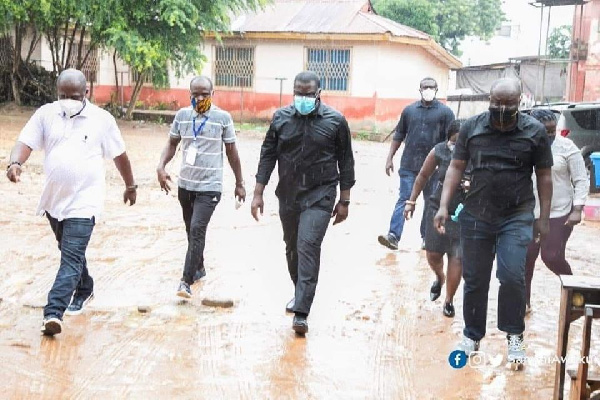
(504,30)
(587,119)
(332,66)
(234,66)
(90,67)
(134,76)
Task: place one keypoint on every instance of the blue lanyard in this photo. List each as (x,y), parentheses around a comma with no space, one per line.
(200,128)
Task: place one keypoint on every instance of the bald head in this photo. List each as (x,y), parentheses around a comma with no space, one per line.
(506,86)
(201,80)
(71,84)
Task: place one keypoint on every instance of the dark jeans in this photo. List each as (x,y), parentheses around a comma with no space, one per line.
(553,252)
(303,233)
(73,236)
(507,240)
(197,208)
(407,180)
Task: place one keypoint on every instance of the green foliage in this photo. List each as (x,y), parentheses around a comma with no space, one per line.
(447,21)
(559,42)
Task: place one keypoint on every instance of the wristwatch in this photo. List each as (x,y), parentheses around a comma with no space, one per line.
(131,188)
(344,202)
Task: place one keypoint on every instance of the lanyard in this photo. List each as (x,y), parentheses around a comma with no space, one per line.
(200,128)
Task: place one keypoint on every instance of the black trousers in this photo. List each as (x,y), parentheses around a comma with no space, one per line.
(197,209)
(303,231)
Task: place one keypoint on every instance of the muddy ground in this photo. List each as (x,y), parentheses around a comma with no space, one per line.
(374,334)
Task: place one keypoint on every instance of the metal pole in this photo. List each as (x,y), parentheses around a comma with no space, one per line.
(578,49)
(280,89)
(537,77)
(546,53)
(241,100)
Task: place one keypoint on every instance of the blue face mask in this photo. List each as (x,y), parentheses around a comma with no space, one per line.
(305,105)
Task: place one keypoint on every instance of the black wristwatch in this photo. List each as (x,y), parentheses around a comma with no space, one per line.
(344,202)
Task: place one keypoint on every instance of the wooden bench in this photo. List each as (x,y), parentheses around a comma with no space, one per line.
(577,292)
(582,382)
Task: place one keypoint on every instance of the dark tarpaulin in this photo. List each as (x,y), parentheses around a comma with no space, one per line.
(480,79)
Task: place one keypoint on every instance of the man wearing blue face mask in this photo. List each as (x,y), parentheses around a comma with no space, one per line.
(311,144)
(76,137)
(422,125)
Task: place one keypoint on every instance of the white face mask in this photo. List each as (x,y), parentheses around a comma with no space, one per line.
(428,94)
(70,107)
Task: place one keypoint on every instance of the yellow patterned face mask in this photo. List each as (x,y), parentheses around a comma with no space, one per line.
(203,105)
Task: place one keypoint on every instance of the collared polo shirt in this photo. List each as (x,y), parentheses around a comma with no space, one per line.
(206,174)
(502,164)
(74,153)
(420,128)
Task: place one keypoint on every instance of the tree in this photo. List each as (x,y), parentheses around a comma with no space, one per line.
(17,20)
(559,42)
(447,21)
(153,36)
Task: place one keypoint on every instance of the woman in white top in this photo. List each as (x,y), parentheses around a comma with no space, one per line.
(570,185)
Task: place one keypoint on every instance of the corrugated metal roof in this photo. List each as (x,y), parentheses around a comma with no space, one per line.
(321,16)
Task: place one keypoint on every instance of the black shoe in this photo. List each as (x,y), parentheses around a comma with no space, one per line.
(289,307)
(77,304)
(184,290)
(300,325)
(435,291)
(388,241)
(201,273)
(51,326)
(449,310)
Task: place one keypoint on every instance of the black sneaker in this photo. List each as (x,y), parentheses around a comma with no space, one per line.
(51,326)
(201,273)
(184,290)
(435,291)
(300,325)
(388,241)
(77,304)
(449,310)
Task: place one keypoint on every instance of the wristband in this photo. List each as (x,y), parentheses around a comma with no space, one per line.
(13,163)
(344,202)
(131,188)
(412,203)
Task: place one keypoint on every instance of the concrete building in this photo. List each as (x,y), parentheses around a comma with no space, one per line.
(583,83)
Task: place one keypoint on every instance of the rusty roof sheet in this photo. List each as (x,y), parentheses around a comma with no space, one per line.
(321,16)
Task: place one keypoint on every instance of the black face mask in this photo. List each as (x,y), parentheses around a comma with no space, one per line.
(503,118)
(551,139)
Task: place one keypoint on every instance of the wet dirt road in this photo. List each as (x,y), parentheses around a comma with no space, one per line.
(373,332)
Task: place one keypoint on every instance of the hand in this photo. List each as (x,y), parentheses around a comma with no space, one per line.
(389,166)
(240,192)
(14,173)
(340,212)
(574,218)
(439,221)
(409,210)
(163,179)
(129,195)
(541,227)
(257,204)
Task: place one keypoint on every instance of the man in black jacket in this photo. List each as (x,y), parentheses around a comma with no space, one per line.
(311,144)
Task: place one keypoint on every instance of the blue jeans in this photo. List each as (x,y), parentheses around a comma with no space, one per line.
(507,240)
(73,236)
(407,180)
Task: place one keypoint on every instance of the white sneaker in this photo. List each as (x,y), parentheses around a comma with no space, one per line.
(516,349)
(468,345)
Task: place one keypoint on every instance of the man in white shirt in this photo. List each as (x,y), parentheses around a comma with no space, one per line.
(76,136)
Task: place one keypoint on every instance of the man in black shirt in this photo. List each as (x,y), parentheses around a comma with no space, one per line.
(503,147)
(422,125)
(311,144)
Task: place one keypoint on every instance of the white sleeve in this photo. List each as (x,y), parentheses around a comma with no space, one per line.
(228,130)
(112,143)
(32,134)
(579,177)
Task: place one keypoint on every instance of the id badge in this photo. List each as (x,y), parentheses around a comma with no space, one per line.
(190,156)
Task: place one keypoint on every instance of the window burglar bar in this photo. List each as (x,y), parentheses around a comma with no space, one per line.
(234,67)
(332,66)
(90,67)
